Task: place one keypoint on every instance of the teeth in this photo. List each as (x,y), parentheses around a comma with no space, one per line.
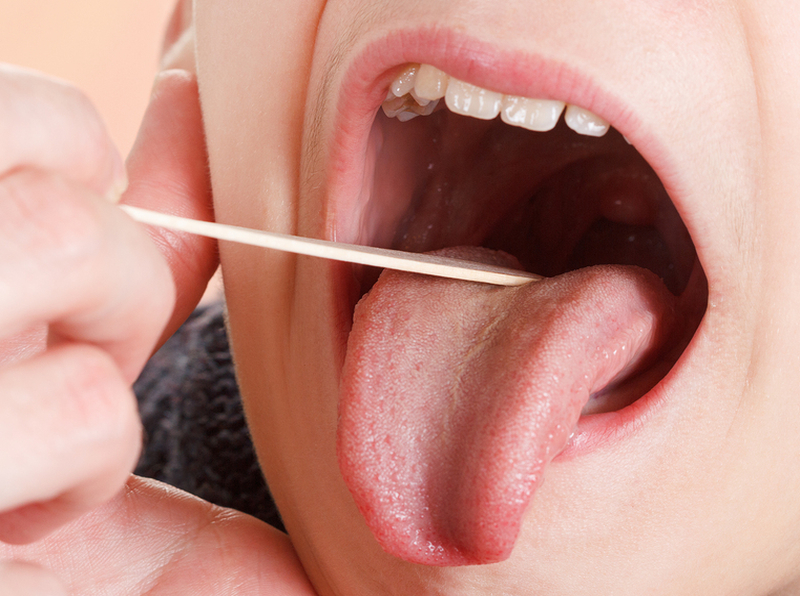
(534,114)
(406,116)
(406,107)
(423,101)
(584,122)
(392,106)
(431,83)
(418,89)
(405,82)
(469,100)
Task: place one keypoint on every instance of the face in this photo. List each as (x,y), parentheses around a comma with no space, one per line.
(609,430)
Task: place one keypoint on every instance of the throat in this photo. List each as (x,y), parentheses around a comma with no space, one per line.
(557,201)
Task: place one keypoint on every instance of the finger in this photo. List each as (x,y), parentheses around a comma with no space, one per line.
(18,578)
(50,125)
(168,170)
(23,345)
(73,260)
(154,539)
(69,438)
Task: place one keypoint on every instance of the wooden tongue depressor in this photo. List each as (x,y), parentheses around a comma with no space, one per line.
(350,253)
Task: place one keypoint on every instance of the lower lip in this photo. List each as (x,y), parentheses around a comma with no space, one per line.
(604,430)
(598,431)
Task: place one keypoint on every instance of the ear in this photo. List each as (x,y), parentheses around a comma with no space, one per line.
(177,50)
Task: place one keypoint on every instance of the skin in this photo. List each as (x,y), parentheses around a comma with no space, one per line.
(701,500)
(72,518)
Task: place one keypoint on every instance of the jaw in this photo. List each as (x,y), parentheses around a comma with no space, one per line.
(311,326)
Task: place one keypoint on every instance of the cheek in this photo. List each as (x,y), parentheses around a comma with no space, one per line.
(249,61)
(252,64)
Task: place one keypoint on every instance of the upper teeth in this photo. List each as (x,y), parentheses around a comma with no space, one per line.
(418,89)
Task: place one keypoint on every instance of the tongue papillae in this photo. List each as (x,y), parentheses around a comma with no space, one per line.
(456,396)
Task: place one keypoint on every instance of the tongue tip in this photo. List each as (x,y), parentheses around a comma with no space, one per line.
(447,558)
(401,531)
(409,526)
(439,551)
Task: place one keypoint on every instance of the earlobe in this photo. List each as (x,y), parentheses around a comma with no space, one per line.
(178,48)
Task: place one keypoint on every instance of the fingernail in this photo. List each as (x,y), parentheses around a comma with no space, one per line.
(119,182)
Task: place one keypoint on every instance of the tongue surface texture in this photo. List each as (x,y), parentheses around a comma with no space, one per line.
(456,396)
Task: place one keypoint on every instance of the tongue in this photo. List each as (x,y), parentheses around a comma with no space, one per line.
(456,396)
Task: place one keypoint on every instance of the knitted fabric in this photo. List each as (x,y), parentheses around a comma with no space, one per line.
(196,437)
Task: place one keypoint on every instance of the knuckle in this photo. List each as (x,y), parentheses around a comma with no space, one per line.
(49,220)
(53,124)
(92,143)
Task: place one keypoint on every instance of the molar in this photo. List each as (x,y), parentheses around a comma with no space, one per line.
(406,108)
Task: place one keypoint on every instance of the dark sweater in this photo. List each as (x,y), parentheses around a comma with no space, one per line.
(196,437)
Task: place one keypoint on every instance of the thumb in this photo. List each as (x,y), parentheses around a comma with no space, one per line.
(168,172)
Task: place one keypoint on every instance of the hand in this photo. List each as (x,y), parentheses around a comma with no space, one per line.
(154,539)
(84,297)
(149,538)
(84,293)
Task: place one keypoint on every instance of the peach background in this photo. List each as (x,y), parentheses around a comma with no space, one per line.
(108,48)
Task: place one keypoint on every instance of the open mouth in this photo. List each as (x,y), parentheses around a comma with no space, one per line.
(574,195)
(534,183)
(551,184)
